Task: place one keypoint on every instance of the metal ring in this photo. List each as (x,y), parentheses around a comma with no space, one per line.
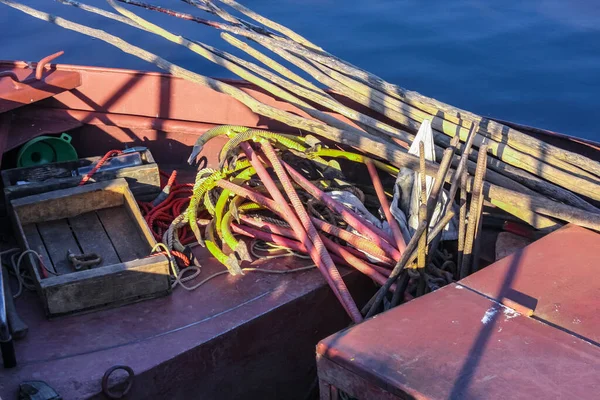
(112,395)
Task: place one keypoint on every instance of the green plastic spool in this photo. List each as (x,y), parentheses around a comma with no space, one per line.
(45,150)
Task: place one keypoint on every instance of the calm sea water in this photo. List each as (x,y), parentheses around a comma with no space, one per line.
(535,62)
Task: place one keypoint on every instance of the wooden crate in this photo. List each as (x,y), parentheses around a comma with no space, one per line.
(100,218)
(144,180)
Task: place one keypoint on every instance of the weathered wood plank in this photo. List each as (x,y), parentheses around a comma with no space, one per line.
(123,233)
(67,203)
(36,244)
(98,287)
(142,179)
(133,210)
(92,238)
(59,240)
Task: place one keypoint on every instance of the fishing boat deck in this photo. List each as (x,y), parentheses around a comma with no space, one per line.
(243,327)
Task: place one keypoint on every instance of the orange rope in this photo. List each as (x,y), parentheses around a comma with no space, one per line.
(172,178)
(99,165)
(185,261)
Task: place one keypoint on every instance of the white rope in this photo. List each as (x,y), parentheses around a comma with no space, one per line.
(22,275)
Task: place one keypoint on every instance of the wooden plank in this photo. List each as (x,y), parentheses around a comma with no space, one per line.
(66,203)
(123,233)
(142,179)
(58,238)
(92,238)
(133,210)
(141,265)
(100,287)
(33,238)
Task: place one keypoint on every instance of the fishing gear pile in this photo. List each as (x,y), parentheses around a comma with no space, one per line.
(290,191)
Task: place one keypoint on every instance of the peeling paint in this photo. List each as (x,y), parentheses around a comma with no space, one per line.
(509,313)
(489,314)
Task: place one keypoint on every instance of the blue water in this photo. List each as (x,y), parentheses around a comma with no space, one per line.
(535,62)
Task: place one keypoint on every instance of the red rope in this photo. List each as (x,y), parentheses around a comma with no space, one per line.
(159,217)
(99,165)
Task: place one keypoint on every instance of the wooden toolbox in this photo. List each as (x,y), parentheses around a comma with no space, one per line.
(143,178)
(101,218)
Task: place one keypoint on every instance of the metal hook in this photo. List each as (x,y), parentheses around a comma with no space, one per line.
(39,69)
